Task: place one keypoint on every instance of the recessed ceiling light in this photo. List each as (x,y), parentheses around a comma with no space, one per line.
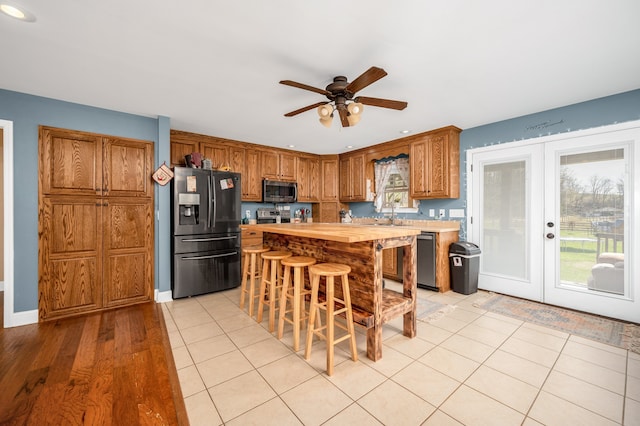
(404,132)
(17,12)
(349,146)
(291,146)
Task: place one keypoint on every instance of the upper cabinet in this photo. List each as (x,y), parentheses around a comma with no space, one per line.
(246,162)
(219,155)
(308,179)
(352,178)
(278,165)
(330,178)
(435,164)
(78,163)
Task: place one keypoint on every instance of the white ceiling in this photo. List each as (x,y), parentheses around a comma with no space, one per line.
(213,66)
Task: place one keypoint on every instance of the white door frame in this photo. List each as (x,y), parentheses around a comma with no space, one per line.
(7,152)
(634,232)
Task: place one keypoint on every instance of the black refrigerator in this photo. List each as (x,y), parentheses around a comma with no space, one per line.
(205,223)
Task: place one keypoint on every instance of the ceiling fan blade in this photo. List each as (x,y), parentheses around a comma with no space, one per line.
(371,75)
(343,115)
(384,103)
(305,87)
(303,109)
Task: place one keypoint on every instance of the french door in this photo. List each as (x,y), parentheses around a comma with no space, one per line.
(554,218)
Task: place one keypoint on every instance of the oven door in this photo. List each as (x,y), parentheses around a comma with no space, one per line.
(205,272)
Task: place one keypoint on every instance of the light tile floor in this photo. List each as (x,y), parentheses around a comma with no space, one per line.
(469,367)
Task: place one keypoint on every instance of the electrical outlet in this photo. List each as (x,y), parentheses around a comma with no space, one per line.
(432,213)
(442,214)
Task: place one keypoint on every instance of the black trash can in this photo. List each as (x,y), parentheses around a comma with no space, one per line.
(464,262)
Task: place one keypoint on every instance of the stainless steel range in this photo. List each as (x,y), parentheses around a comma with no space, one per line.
(270,215)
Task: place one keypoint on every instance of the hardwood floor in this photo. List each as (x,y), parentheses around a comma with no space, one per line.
(114,367)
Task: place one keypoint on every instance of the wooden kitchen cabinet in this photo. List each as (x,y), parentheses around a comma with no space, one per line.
(327,211)
(435,164)
(95,198)
(390,264)
(308,179)
(352,178)
(330,178)
(246,162)
(217,153)
(278,165)
(180,148)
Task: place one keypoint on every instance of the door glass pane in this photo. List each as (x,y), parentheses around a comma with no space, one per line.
(504,219)
(592,189)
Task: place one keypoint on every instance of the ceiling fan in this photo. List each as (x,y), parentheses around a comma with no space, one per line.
(341,92)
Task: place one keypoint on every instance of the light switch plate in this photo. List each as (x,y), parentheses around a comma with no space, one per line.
(456,212)
(432,213)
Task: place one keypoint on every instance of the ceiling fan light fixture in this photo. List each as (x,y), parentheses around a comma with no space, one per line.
(326,122)
(325,111)
(355,108)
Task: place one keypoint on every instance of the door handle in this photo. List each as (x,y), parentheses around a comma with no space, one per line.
(550,236)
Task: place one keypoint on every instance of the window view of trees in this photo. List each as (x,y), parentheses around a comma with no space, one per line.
(592,190)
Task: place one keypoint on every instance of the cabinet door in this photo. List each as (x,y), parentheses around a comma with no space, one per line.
(419,160)
(330,179)
(345,179)
(69,250)
(308,179)
(438,158)
(390,262)
(357,178)
(128,168)
(252,179)
(128,251)
(70,162)
(329,212)
(288,167)
(180,149)
(219,155)
(237,160)
(269,164)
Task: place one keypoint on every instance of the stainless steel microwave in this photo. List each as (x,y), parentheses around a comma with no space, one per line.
(276,191)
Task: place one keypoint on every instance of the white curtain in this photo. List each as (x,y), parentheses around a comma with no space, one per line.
(382,171)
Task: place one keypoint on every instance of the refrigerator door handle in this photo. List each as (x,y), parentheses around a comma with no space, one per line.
(199,240)
(210,198)
(213,256)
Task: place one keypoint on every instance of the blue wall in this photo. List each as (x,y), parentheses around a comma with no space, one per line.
(599,112)
(27,113)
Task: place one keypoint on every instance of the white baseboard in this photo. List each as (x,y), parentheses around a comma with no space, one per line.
(1,285)
(23,318)
(164,296)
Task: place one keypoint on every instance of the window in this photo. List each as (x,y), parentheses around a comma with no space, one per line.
(392,185)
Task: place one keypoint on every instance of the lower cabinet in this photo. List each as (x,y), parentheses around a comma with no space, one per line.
(94,254)
(251,237)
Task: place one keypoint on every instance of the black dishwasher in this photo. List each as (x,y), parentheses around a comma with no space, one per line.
(427,260)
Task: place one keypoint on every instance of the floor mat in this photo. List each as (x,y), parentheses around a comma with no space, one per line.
(427,310)
(593,327)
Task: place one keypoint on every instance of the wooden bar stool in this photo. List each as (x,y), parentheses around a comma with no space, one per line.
(271,277)
(294,293)
(332,309)
(252,272)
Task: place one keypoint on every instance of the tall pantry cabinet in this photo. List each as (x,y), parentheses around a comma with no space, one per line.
(95,222)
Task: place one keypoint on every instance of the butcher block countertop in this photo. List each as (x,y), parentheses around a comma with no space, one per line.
(341,232)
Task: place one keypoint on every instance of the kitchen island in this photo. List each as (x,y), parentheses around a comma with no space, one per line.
(360,247)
